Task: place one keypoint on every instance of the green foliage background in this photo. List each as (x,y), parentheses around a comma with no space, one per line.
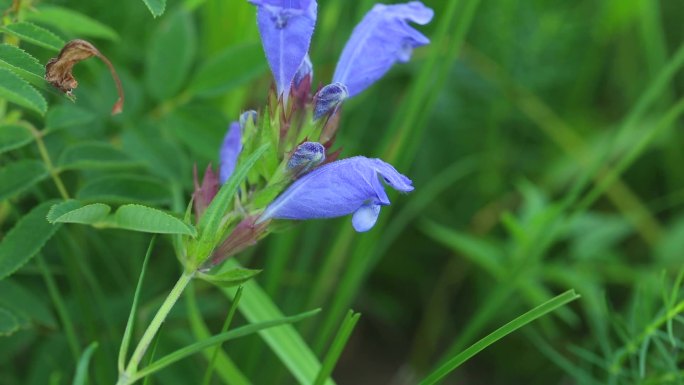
(544,140)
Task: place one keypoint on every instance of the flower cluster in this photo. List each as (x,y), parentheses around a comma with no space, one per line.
(299,178)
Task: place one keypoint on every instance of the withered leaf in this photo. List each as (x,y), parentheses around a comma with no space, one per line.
(58,69)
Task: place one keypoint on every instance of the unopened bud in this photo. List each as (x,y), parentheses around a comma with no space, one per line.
(246,117)
(305,157)
(328,99)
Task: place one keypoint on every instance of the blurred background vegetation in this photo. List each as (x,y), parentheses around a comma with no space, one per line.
(544,140)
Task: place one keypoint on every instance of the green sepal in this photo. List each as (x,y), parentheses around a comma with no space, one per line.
(229,278)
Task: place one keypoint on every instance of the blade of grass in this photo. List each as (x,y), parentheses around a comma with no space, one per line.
(284,341)
(126,340)
(337,346)
(667,121)
(81,376)
(217,339)
(498,334)
(226,325)
(226,368)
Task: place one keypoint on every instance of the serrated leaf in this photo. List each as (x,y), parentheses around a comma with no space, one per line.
(230,68)
(8,322)
(71,21)
(75,212)
(170,55)
(94,155)
(150,220)
(21,62)
(19,176)
(28,307)
(26,239)
(67,115)
(156,7)
(17,90)
(125,189)
(13,136)
(231,277)
(34,34)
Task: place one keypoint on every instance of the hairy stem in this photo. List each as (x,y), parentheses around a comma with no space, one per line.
(127,376)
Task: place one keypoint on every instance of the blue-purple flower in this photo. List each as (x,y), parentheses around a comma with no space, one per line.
(381,39)
(230,151)
(286,27)
(232,145)
(348,186)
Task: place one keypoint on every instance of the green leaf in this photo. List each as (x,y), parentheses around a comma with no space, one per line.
(14,136)
(149,220)
(67,115)
(34,34)
(28,307)
(126,340)
(337,347)
(25,239)
(537,312)
(230,68)
(17,90)
(94,155)
(81,376)
(156,7)
(17,177)
(22,62)
(231,277)
(170,55)
(71,21)
(75,212)
(125,189)
(8,322)
(285,342)
(217,339)
(211,223)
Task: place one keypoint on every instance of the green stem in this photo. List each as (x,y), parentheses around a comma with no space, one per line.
(127,377)
(54,174)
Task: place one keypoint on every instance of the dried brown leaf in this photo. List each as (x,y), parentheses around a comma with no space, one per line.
(58,71)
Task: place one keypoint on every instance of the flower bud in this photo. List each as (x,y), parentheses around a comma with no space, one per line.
(328,99)
(305,157)
(246,117)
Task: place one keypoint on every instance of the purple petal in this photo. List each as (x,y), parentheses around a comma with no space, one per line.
(336,189)
(230,151)
(286,27)
(382,38)
(305,70)
(365,217)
